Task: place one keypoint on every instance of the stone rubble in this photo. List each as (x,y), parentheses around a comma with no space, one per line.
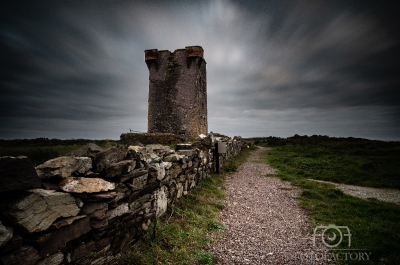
(93,202)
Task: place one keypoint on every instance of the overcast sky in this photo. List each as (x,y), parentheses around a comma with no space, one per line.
(75,69)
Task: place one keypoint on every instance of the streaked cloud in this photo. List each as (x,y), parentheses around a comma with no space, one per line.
(76,69)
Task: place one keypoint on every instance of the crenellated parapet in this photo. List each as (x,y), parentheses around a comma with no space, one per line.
(191,51)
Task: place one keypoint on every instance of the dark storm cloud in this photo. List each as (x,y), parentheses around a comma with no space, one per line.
(76,69)
(57,68)
(339,63)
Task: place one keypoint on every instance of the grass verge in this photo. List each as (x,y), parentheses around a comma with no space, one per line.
(184,232)
(374,225)
(352,161)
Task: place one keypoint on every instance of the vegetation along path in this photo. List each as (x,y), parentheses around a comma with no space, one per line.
(263,222)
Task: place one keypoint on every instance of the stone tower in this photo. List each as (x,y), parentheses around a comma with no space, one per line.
(177,92)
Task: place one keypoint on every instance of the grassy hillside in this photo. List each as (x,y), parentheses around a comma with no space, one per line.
(350,160)
(42,149)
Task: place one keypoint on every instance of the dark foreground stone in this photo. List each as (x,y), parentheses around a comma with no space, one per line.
(17,173)
(110,156)
(50,243)
(25,255)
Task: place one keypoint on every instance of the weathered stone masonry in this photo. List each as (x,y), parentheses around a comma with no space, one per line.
(148,138)
(177,92)
(86,207)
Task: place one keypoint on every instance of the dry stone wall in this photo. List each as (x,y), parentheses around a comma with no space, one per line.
(86,209)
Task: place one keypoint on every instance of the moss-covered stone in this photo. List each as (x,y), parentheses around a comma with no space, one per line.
(139,202)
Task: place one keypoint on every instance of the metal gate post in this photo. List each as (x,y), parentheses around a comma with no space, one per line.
(216,158)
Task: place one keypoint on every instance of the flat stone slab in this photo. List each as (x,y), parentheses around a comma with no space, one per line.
(134,173)
(97,197)
(35,210)
(17,173)
(89,247)
(50,243)
(138,183)
(64,167)
(120,210)
(65,222)
(89,185)
(119,168)
(97,211)
(112,155)
(185,152)
(183,147)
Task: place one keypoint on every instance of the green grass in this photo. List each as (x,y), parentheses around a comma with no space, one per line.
(374,225)
(204,258)
(183,233)
(379,169)
(233,164)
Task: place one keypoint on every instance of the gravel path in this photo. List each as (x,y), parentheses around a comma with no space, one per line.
(264,224)
(386,195)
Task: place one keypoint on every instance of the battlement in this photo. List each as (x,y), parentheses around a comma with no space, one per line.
(191,51)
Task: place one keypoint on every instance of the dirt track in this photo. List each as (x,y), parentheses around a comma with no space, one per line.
(264,224)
